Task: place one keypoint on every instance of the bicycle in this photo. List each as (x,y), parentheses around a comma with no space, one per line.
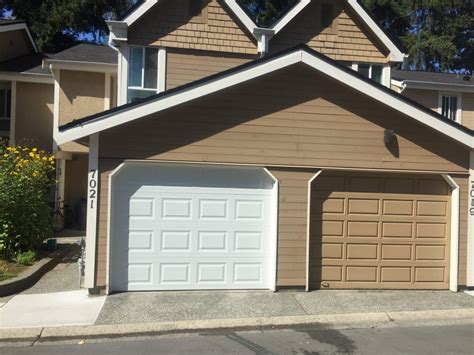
(61,214)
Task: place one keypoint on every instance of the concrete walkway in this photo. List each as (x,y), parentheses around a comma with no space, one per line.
(134,308)
(51,310)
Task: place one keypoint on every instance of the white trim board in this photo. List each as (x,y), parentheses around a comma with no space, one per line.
(80,66)
(259,69)
(27,77)
(470,225)
(454,243)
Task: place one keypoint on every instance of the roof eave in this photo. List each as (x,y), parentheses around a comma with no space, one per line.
(258,68)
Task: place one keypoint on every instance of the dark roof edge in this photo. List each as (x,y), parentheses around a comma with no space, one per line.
(260,61)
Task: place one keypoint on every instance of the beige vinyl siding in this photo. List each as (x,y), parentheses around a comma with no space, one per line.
(81,94)
(14,44)
(428,98)
(468,109)
(34,115)
(292,224)
(463,182)
(168,24)
(292,118)
(183,67)
(347,40)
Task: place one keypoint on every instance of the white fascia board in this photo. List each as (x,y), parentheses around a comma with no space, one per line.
(140,11)
(242,15)
(118,30)
(428,85)
(281,23)
(395,54)
(247,74)
(20,26)
(80,66)
(178,98)
(27,77)
(385,98)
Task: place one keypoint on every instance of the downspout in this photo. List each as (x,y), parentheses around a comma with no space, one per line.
(263,36)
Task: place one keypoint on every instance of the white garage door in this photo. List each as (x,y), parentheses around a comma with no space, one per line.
(180,227)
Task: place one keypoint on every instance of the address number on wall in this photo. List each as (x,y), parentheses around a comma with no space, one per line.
(471,200)
(92,189)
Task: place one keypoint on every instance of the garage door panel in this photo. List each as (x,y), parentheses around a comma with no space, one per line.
(386,231)
(169,237)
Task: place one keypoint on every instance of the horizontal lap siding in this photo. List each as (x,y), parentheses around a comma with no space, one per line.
(348,40)
(463,182)
(168,24)
(292,225)
(106,167)
(185,67)
(468,110)
(296,118)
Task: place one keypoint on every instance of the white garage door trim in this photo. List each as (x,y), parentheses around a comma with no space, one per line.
(270,279)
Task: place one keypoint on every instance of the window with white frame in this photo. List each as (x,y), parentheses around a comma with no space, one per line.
(371,71)
(143,73)
(5,109)
(450,106)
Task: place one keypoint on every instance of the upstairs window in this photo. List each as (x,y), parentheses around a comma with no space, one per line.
(143,73)
(450,106)
(5,109)
(371,71)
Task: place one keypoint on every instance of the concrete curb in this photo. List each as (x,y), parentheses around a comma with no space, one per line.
(30,276)
(330,321)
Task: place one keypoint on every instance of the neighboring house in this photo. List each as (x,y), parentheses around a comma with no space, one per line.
(222,155)
(451,95)
(35,88)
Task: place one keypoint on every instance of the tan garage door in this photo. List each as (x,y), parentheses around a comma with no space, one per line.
(379,231)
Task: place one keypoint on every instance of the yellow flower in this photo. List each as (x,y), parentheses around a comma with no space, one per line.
(44,159)
(32,154)
(5,155)
(34,149)
(35,174)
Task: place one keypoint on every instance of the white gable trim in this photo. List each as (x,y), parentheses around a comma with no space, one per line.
(248,73)
(281,23)
(140,11)
(17,27)
(242,15)
(395,54)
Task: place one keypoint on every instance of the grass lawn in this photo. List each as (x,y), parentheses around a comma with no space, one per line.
(9,269)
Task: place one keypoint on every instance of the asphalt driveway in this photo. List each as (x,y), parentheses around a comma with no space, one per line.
(150,307)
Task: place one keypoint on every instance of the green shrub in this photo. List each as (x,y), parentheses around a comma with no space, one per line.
(26,258)
(26,176)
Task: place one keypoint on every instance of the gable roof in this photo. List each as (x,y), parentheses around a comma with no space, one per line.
(255,69)
(85,57)
(396,52)
(87,52)
(432,80)
(7,25)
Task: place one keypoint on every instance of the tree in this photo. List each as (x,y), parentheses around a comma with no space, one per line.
(265,12)
(438,34)
(57,24)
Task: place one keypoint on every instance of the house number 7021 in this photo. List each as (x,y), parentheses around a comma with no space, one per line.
(93,188)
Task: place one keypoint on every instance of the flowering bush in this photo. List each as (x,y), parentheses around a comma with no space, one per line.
(26,176)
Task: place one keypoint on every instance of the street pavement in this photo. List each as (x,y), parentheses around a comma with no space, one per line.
(454,339)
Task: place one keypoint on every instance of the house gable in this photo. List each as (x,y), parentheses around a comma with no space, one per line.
(347,39)
(15,40)
(169,24)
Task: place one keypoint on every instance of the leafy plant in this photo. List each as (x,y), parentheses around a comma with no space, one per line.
(26,258)
(26,176)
